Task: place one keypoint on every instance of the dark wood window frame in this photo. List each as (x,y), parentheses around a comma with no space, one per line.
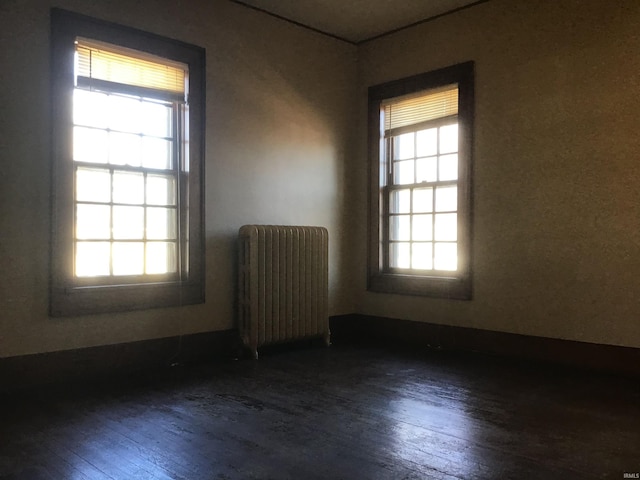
(70,295)
(381,278)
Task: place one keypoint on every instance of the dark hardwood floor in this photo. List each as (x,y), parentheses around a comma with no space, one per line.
(346,412)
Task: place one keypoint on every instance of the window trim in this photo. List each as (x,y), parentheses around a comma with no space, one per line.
(458,285)
(68,296)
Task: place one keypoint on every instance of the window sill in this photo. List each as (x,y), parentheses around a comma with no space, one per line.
(458,288)
(75,301)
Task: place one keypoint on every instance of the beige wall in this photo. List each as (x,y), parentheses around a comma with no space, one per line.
(557,165)
(278,119)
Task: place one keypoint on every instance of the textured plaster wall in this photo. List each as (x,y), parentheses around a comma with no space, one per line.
(556,165)
(278,123)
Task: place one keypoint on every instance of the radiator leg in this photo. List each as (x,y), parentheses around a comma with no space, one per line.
(253,348)
(327,338)
(250,345)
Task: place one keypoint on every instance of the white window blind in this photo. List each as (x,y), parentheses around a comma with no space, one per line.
(417,108)
(109,63)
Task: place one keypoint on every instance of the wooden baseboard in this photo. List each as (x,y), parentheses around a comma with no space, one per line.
(126,358)
(120,359)
(606,358)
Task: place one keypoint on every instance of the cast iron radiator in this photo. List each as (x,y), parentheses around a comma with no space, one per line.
(283,284)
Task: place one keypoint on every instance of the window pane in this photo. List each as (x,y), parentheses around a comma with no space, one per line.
(93,185)
(93,222)
(400,201)
(128,222)
(89,108)
(156,153)
(422,227)
(128,187)
(449,167)
(124,114)
(403,172)
(446,256)
(161,190)
(421,256)
(403,146)
(427,142)
(427,170)
(423,200)
(446,226)
(124,149)
(161,223)
(446,199)
(399,255)
(161,257)
(449,138)
(128,258)
(399,227)
(89,145)
(156,119)
(92,259)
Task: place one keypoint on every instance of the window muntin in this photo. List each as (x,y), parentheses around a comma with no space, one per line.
(420,141)
(128,214)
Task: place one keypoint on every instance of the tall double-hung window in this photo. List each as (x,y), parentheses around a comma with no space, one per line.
(128,149)
(420,148)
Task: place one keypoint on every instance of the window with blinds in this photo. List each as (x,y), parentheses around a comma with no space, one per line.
(125,152)
(421,143)
(422,202)
(128,168)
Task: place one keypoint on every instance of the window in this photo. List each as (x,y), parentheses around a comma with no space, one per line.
(128,166)
(420,154)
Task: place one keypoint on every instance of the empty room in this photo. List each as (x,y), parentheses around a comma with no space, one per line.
(328,239)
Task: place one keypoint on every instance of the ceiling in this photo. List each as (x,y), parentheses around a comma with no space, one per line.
(357,20)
